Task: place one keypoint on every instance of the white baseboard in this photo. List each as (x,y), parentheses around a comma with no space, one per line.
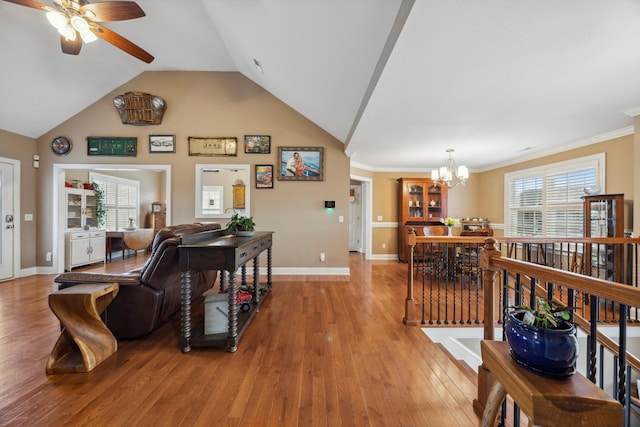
(384,257)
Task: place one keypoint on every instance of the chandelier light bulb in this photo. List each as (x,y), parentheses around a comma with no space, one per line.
(450,174)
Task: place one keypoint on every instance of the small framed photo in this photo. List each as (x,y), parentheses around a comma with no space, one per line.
(162,143)
(264,176)
(257,144)
(301,163)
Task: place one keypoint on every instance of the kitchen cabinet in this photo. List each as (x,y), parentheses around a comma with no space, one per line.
(84,247)
(81,211)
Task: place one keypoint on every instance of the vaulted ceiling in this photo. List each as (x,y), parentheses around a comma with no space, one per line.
(398,82)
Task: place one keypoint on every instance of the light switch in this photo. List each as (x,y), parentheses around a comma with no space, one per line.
(340,218)
(28,217)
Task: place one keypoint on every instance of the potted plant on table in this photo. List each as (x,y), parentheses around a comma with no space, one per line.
(450,223)
(543,339)
(241,225)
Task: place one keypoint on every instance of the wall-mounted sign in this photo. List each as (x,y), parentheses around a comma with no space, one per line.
(227,146)
(137,108)
(112,146)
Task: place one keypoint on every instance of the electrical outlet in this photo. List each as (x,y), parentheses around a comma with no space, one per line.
(48,257)
(379,217)
(322,256)
(384,246)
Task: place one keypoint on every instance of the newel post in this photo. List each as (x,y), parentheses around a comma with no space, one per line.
(410,304)
(489,278)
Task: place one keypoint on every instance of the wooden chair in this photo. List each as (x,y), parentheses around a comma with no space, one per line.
(468,259)
(428,256)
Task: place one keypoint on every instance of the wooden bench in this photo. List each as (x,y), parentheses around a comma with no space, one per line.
(572,401)
(84,341)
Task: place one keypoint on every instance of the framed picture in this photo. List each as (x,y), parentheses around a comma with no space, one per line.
(257,144)
(213,146)
(264,176)
(162,143)
(301,163)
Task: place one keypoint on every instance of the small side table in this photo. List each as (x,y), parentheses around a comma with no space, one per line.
(85,341)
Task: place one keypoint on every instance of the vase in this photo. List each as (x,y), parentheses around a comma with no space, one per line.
(548,352)
(245,233)
(450,231)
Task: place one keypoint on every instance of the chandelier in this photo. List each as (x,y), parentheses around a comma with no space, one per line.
(450,174)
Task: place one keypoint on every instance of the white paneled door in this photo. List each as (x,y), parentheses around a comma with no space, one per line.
(6,210)
(355,219)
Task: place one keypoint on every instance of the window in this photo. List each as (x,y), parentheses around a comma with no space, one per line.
(212,197)
(121,200)
(546,201)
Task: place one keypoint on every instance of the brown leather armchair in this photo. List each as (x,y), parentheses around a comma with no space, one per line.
(149,295)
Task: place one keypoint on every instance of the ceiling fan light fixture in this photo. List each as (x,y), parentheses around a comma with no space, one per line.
(58,20)
(82,26)
(68,32)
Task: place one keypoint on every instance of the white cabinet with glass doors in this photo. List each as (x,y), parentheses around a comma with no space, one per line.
(81,212)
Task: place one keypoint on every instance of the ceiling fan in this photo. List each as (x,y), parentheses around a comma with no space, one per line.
(77,22)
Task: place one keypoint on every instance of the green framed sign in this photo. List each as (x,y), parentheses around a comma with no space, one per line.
(112,146)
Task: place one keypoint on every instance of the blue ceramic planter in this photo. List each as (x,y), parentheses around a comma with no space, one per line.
(550,352)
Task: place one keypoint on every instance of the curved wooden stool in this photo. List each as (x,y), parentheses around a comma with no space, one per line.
(85,340)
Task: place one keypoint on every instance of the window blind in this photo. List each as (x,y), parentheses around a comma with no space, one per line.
(547,201)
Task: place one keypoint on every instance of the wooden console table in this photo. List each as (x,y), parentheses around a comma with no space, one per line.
(572,401)
(219,250)
(85,341)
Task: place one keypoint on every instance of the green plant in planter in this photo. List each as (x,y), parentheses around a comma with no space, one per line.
(101,212)
(241,223)
(545,315)
(543,339)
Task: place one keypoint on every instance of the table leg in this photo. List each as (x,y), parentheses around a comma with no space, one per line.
(269,263)
(185,292)
(256,282)
(232,295)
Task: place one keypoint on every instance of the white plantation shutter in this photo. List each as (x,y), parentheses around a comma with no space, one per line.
(547,201)
(120,200)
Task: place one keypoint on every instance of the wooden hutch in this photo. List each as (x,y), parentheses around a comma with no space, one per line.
(420,203)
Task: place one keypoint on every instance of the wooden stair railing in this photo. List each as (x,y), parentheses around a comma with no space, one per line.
(492,262)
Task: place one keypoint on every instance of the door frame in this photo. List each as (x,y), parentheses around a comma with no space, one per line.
(17,216)
(58,180)
(367,208)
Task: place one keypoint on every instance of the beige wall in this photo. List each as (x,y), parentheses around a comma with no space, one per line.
(462,202)
(228,104)
(619,160)
(221,104)
(22,149)
(483,194)
(152,184)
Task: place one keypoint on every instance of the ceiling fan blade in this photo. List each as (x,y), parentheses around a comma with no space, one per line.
(120,42)
(33,4)
(113,11)
(71,47)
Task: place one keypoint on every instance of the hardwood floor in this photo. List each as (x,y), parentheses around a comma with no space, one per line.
(323,351)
